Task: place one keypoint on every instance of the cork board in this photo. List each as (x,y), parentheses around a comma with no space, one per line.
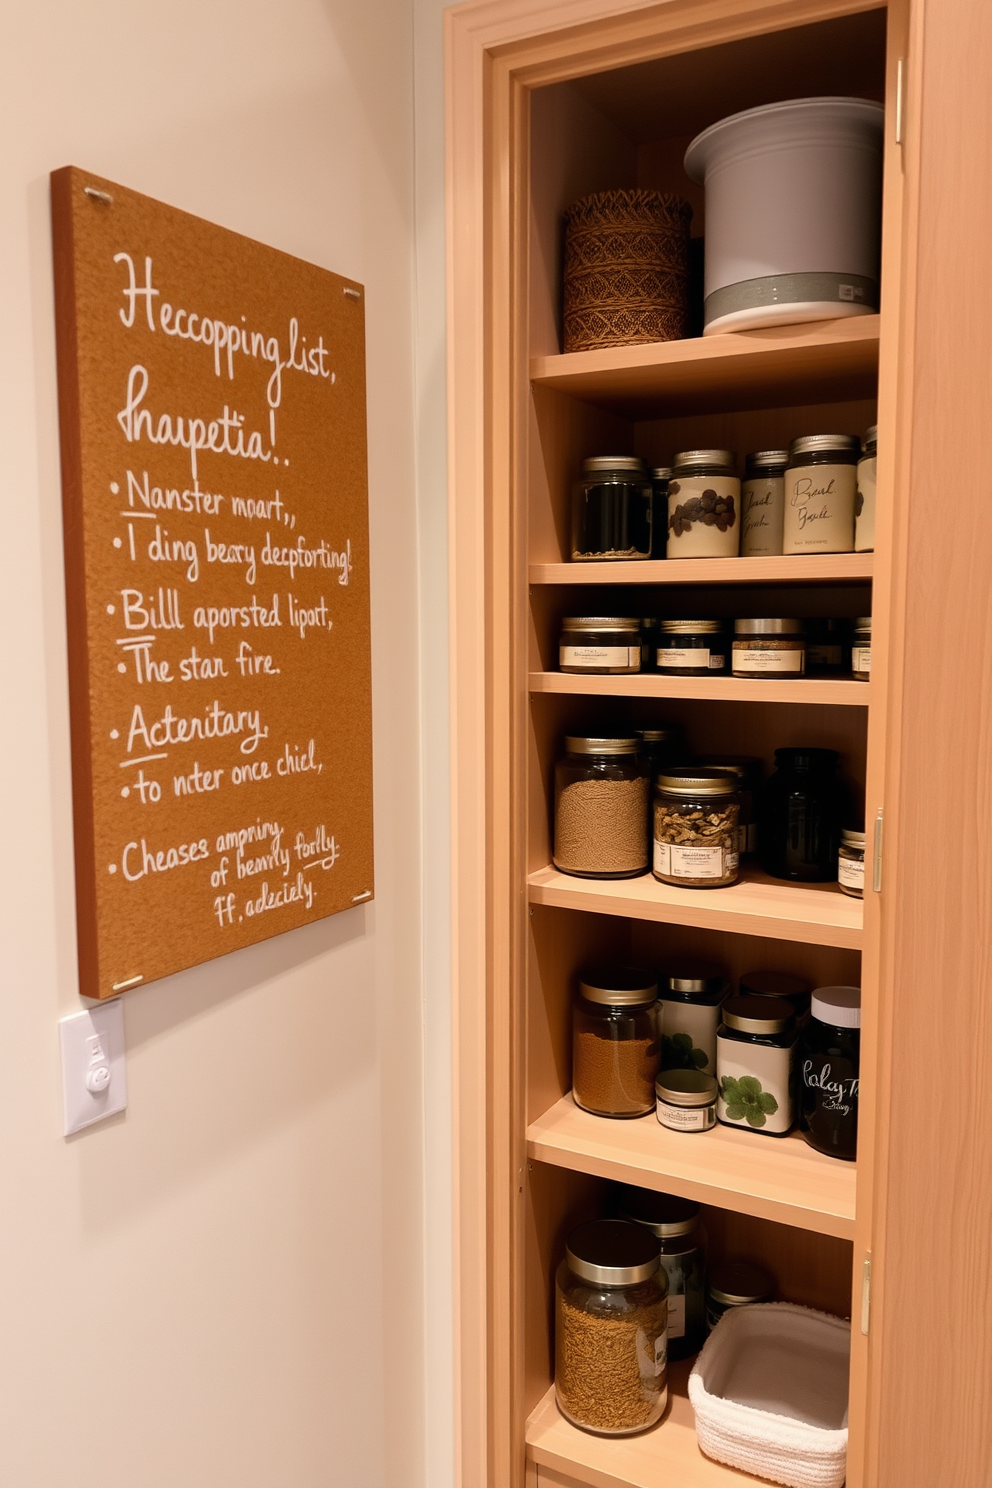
(212,412)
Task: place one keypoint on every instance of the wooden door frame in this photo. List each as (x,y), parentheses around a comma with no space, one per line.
(496,50)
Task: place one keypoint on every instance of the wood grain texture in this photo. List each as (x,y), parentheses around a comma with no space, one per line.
(825,692)
(216,545)
(822,568)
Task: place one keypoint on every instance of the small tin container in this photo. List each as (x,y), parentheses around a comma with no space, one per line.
(686,1100)
(851,863)
(861,649)
(769,648)
(600,645)
(691,648)
(736,1284)
(820,486)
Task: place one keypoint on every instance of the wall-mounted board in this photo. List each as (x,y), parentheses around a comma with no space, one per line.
(212,407)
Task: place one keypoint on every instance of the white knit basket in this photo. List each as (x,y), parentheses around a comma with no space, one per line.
(770,1394)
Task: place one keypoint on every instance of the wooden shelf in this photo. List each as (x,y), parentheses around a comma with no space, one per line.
(781,1179)
(826,690)
(824,568)
(816,914)
(666,1457)
(813,363)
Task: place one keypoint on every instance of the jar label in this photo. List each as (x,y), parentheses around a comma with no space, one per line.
(717,661)
(762,501)
(702,516)
(754,1085)
(819,509)
(686,656)
(746,660)
(837,1089)
(861,659)
(600,656)
(851,873)
(676,1316)
(693,862)
(681,1118)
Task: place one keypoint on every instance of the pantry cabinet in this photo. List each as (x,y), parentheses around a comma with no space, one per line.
(545,103)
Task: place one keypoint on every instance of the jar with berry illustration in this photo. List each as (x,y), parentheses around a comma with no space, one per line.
(704,497)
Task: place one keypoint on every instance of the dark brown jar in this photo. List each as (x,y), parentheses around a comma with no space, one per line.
(692,648)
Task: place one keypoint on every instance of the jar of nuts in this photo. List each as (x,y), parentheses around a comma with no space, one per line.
(696,823)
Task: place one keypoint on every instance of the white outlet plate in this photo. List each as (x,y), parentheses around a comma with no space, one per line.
(94,1074)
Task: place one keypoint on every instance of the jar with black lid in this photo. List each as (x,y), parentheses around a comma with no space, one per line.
(754,1056)
(763,503)
(601,808)
(676,1224)
(795,990)
(830,1072)
(703,500)
(861,649)
(613,510)
(662,745)
(749,771)
(800,810)
(599,645)
(611,1329)
(736,1284)
(769,648)
(691,648)
(615,1041)
(851,863)
(864,501)
(827,645)
(820,486)
(690,995)
(696,823)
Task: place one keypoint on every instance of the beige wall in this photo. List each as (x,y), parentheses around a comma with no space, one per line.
(223,1288)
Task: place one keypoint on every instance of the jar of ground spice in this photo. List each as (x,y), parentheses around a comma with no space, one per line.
(599,645)
(676,1224)
(696,825)
(615,1047)
(601,808)
(691,648)
(611,1329)
(704,497)
(769,648)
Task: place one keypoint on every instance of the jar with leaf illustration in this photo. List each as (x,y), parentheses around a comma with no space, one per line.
(754,1057)
(704,497)
(690,995)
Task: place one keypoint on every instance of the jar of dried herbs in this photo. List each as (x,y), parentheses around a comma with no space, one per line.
(704,496)
(749,771)
(615,1047)
(601,808)
(613,510)
(696,824)
(611,1329)
(769,648)
(599,645)
(676,1223)
(692,648)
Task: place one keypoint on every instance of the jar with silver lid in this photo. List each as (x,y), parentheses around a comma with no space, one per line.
(864,501)
(754,1058)
(851,863)
(703,502)
(601,808)
(696,826)
(691,648)
(615,1041)
(763,503)
(599,645)
(820,485)
(612,510)
(676,1224)
(690,995)
(736,1284)
(769,648)
(861,649)
(686,1100)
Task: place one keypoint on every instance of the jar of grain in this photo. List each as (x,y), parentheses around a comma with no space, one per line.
(864,501)
(703,499)
(762,503)
(820,486)
(692,648)
(599,645)
(676,1224)
(861,649)
(615,1046)
(696,824)
(601,808)
(769,648)
(611,1329)
(613,509)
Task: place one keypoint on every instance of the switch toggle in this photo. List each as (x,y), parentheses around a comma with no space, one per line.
(94,1077)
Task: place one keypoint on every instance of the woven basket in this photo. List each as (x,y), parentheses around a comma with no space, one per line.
(626,269)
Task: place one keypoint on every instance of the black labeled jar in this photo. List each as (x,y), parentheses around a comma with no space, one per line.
(769,648)
(754,1053)
(691,648)
(704,497)
(696,824)
(800,810)
(820,486)
(613,510)
(749,771)
(599,645)
(795,990)
(611,1329)
(615,1041)
(736,1284)
(690,995)
(830,1072)
(601,808)
(861,649)
(676,1225)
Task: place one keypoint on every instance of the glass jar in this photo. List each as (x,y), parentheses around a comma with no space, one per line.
(696,824)
(763,503)
(599,645)
(615,1046)
(749,771)
(851,863)
(754,1053)
(769,648)
(611,1329)
(686,1100)
(690,994)
(800,809)
(612,510)
(736,1284)
(820,485)
(795,990)
(864,501)
(601,809)
(861,649)
(662,745)
(660,477)
(703,499)
(830,1072)
(676,1225)
(649,642)
(827,646)
(691,648)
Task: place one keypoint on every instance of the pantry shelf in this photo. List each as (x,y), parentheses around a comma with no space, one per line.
(780,1179)
(747,369)
(713,689)
(816,914)
(666,1457)
(819,568)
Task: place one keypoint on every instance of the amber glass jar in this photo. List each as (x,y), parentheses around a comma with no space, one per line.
(696,825)
(615,1044)
(692,648)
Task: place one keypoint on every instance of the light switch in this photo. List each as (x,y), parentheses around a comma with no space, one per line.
(94,1076)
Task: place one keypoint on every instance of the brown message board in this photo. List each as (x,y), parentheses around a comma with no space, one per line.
(212,410)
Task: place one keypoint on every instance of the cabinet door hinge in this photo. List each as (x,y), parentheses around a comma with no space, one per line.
(866,1293)
(876,862)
